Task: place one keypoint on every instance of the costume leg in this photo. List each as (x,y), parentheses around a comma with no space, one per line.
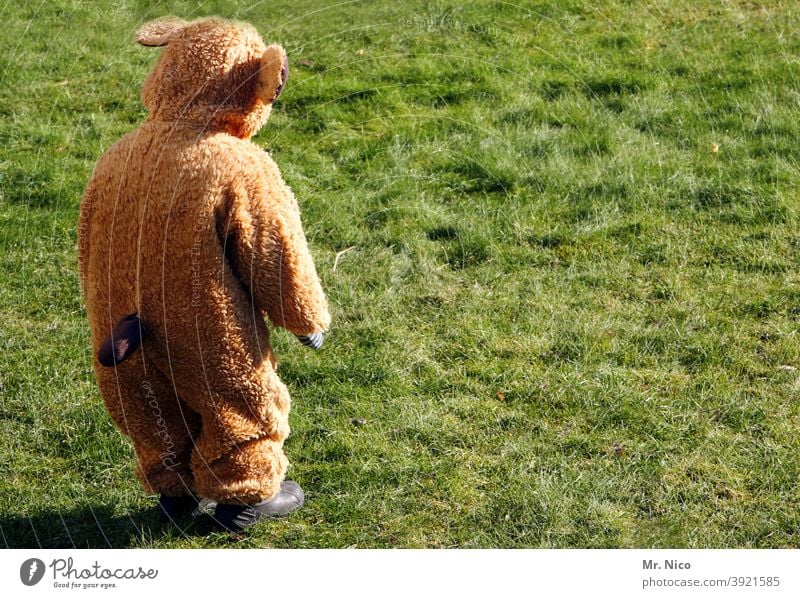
(144,405)
(239,455)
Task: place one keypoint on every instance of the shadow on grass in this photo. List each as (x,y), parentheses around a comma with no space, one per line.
(93,527)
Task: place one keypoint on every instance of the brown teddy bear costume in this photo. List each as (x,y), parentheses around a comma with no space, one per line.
(188,235)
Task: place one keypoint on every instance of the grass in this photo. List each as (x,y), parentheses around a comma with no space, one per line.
(570,317)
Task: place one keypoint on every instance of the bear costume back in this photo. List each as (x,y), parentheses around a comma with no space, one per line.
(188,230)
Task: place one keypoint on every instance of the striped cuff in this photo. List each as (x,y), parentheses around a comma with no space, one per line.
(314,340)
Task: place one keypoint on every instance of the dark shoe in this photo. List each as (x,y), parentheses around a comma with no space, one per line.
(172,508)
(237,517)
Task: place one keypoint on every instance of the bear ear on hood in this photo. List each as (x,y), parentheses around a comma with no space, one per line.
(273,73)
(160,32)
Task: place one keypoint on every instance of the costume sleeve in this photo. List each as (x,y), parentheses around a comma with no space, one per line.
(263,237)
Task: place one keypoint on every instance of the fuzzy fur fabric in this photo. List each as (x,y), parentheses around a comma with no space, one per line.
(188,224)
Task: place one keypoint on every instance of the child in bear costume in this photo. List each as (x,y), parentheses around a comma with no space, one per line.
(188,237)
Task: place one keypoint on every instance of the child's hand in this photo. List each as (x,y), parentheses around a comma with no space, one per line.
(314,340)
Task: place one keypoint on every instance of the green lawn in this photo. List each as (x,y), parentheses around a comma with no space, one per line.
(570,315)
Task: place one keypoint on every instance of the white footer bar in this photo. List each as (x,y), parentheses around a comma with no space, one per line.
(417,573)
